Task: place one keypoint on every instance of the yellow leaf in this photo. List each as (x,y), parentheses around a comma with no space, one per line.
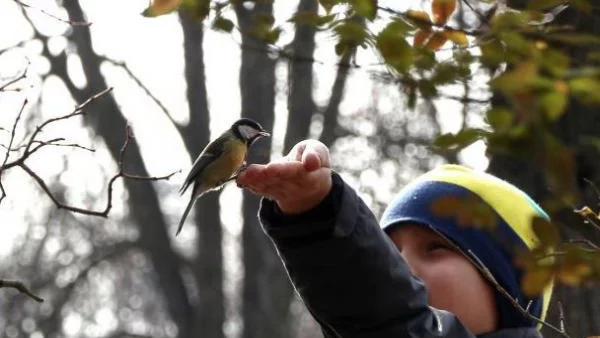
(535,280)
(445,206)
(442,9)
(586,211)
(436,41)
(458,37)
(161,7)
(572,274)
(420,37)
(419,18)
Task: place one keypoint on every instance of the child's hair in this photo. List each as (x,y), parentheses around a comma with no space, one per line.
(492,249)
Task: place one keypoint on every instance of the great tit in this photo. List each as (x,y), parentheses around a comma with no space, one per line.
(221,160)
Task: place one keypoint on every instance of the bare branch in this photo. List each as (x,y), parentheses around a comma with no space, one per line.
(70,22)
(15,80)
(6,156)
(77,111)
(561,316)
(20,287)
(33,145)
(100,213)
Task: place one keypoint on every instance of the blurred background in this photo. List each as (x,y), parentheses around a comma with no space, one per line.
(178,83)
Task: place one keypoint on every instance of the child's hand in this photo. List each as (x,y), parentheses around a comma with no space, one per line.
(297,182)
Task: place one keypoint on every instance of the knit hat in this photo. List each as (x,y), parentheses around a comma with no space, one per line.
(493,249)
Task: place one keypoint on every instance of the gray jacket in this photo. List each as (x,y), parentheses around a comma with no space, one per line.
(351,277)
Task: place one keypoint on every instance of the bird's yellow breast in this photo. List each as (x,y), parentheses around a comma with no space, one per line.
(226,165)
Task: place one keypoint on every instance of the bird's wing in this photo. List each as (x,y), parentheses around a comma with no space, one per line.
(205,158)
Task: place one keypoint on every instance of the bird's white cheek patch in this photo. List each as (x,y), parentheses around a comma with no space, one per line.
(248,132)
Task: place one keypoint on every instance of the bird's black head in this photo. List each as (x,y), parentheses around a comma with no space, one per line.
(248,130)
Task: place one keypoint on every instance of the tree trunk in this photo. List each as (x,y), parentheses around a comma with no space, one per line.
(209,315)
(107,121)
(301,105)
(266,292)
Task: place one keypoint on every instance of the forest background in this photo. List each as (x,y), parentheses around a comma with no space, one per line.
(103,110)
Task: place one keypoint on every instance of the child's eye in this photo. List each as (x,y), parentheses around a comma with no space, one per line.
(437,245)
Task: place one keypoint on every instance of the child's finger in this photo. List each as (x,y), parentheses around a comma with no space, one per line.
(310,159)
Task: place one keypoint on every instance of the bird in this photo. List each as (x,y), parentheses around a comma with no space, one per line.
(221,160)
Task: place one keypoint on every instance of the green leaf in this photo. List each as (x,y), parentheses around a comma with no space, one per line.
(460,140)
(585,89)
(555,62)
(554,104)
(500,119)
(223,24)
(546,232)
(444,73)
(492,53)
(521,77)
(365,8)
(395,50)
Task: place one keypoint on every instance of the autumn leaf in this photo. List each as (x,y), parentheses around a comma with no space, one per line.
(442,9)
(458,37)
(421,36)
(572,274)
(419,18)
(535,280)
(161,7)
(436,41)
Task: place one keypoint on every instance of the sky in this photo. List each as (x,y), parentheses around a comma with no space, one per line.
(152,49)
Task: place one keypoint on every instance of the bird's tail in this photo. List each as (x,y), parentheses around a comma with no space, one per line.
(185,213)
(198,191)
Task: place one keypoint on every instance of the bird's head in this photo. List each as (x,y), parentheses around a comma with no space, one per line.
(248,130)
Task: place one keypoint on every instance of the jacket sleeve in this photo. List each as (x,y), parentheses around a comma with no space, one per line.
(349,273)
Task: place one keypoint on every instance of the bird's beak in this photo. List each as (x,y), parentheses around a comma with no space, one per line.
(264,133)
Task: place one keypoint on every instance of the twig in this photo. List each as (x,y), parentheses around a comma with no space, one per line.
(488,274)
(70,22)
(10,142)
(585,241)
(482,18)
(77,111)
(15,80)
(405,16)
(100,213)
(20,287)
(561,316)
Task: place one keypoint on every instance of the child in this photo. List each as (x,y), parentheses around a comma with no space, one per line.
(417,274)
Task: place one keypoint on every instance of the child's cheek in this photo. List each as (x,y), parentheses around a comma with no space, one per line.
(445,279)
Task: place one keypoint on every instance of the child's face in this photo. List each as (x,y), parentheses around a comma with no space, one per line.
(453,283)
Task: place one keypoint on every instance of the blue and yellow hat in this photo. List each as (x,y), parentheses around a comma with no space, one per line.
(493,249)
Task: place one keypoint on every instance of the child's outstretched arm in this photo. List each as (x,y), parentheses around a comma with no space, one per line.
(347,271)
